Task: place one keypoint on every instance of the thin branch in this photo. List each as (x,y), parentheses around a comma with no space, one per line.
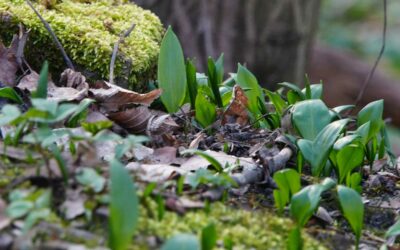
(115,51)
(55,39)
(371,73)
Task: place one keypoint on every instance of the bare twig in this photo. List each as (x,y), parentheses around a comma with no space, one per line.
(371,73)
(115,51)
(55,39)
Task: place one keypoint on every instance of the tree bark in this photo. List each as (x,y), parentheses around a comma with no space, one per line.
(271,37)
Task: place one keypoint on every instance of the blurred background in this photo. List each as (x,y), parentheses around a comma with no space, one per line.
(336,41)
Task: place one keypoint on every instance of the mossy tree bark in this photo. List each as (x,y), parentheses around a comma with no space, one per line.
(272,37)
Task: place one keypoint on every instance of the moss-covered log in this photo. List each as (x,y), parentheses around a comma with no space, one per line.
(88,31)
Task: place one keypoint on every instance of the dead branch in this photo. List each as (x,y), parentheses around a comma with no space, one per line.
(53,36)
(115,51)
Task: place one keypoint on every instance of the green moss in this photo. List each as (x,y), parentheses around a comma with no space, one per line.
(247,229)
(88,31)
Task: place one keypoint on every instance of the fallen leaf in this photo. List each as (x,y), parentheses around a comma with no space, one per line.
(154,172)
(196,162)
(236,111)
(8,62)
(164,155)
(113,97)
(76,86)
(4,220)
(134,120)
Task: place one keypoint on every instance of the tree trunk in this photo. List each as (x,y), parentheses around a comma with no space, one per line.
(272,37)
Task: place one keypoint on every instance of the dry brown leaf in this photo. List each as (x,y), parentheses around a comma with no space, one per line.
(113,97)
(154,172)
(164,155)
(196,162)
(76,87)
(8,63)
(134,120)
(237,108)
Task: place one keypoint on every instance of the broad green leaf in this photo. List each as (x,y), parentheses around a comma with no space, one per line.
(172,72)
(310,117)
(19,208)
(353,209)
(90,178)
(344,141)
(295,241)
(191,82)
(279,104)
(315,91)
(42,104)
(305,202)
(34,217)
(288,182)
(293,97)
(218,167)
(340,109)
(294,88)
(394,230)
(9,113)
(96,127)
(205,110)
(247,80)
(42,198)
(316,152)
(363,132)
(182,242)
(41,91)
(354,181)
(81,108)
(215,74)
(10,94)
(208,237)
(348,158)
(124,208)
(372,112)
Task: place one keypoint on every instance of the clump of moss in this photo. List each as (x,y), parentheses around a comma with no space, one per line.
(246,229)
(88,31)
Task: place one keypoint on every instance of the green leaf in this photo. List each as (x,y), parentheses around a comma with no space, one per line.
(19,208)
(215,74)
(372,113)
(344,141)
(90,178)
(310,117)
(315,91)
(276,99)
(247,80)
(316,152)
(11,94)
(205,110)
(340,109)
(46,105)
(353,209)
(218,167)
(288,182)
(9,113)
(363,132)
(124,208)
(81,108)
(208,237)
(294,88)
(394,230)
(305,202)
(348,158)
(171,72)
(96,127)
(35,216)
(191,82)
(354,181)
(295,241)
(182,242)
(41,91)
